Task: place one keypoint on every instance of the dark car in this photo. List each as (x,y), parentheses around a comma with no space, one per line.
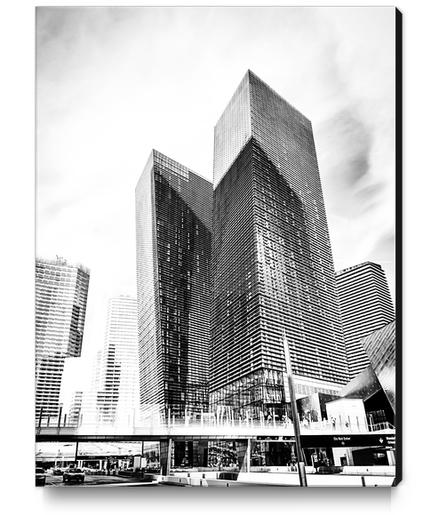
(40,476)
(73,475)
(329,469)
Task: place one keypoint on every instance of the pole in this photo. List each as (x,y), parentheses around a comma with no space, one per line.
(40,416)
(76,451)
(295,417)
(169,457)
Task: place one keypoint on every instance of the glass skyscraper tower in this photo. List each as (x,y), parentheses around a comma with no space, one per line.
(173,235)
(273,272)
(61,301)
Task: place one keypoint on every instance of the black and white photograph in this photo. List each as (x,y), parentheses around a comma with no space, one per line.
(217,275)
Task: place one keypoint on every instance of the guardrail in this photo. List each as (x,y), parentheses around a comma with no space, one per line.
(224,426)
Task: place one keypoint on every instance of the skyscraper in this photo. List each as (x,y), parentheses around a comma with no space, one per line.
(112,396)
(365,306)
(61,301)
(173,235)
(118,381)
(272,262)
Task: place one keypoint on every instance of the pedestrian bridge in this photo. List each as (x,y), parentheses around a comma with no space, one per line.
(218,431)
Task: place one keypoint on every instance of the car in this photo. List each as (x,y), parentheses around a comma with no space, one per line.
(40,476)
(57,472)
(72,475)
(329,469)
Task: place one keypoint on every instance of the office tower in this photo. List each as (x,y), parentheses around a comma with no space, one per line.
(173,235)
(61,300)
(118,381)
(111,395)
(272,259)
(365,306)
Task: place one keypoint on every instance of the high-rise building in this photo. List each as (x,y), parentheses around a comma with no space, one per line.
(272,261)
(111,395)
(173,234)
(61,301)
(365,306)
(118,377)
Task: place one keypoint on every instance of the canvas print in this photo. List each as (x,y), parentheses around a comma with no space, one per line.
(215,247)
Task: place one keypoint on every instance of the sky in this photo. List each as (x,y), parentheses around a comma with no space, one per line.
(113,83)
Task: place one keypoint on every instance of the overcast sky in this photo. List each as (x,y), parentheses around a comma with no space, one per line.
(113,83)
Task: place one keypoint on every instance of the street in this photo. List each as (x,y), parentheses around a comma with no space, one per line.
(96,480)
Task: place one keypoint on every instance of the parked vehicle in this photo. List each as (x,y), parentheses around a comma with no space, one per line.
(40,476)
(329,469)
(73,475)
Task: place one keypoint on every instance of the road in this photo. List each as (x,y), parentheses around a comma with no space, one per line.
(96,480)
(253,479)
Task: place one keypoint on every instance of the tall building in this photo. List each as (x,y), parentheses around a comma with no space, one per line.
(365,306)
(61,301)
(272,261)
(111,395)
(173,235)
(118,377)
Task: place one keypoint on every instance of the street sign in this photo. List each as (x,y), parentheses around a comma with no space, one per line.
(353,440)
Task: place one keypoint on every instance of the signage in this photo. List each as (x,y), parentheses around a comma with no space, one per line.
(353,440)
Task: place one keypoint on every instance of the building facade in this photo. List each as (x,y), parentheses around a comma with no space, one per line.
(272,261)
(173,235)
(118,375)
(380,347)
(61,301)
(376,384)
(365,306)
(111,394)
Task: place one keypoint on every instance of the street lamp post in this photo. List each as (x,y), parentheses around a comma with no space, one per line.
(295,417)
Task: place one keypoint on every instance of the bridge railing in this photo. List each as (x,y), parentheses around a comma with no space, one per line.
(381,426)
(141,425)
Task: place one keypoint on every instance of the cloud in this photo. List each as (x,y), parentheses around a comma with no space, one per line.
(348,135)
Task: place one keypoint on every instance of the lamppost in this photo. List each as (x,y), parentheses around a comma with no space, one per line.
(295,417)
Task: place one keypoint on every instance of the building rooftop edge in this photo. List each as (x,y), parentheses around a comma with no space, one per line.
(154,152)
(249,73)
(61,261)
(354,267)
